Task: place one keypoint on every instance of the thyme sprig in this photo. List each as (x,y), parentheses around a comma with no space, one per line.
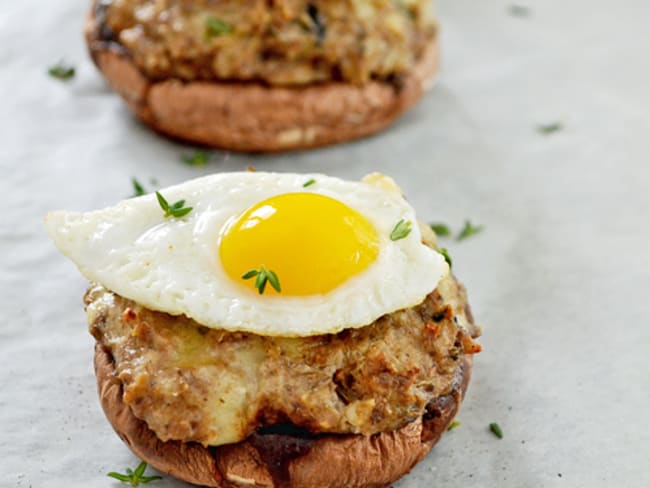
(176,210)
(262,277)
(469,230)
(441,230)
(135,478)
(496,430)
(547,129)
(138,189)
(197,158)
(62,71)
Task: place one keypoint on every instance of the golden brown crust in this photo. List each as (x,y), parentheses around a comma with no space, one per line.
(280,460)
(254,117)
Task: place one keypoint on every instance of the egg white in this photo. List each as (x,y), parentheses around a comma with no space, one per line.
(173,265)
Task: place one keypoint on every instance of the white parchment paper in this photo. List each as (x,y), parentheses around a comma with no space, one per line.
(560,276)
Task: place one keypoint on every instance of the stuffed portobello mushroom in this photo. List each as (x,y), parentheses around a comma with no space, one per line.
(258,75)
(273,329)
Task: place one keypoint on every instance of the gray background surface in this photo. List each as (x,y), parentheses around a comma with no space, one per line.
(559,278)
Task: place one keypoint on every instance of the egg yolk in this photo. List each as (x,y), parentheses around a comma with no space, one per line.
(313,243)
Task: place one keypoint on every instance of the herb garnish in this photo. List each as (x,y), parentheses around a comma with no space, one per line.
(519,10)
(263,276)
(496,430)
(469,230)
(453,425)
(138,189)
(177,210)
(445,254)
(199,158)
(547,129)
(401,230)
(216,27)
(441,230)
(62,71)
(134,477)
(309,183)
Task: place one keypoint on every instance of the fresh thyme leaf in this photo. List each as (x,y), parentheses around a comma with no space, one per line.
(181,212)
(547,129)
(262,287)
(275,282)
(162,202)
(262,277)
(118,476)
(519,10)
(260,282)
(445,254)
(469,230)
(441,230)
(216,27)
(62,71)
(135,478)
(401,230)
(176,210)
(138,189)
(453,425)
(309,183)
(198,158)
(139,471)
(496,430)
(250,274)
(148,479)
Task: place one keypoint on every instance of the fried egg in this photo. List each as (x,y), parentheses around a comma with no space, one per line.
(268,253)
